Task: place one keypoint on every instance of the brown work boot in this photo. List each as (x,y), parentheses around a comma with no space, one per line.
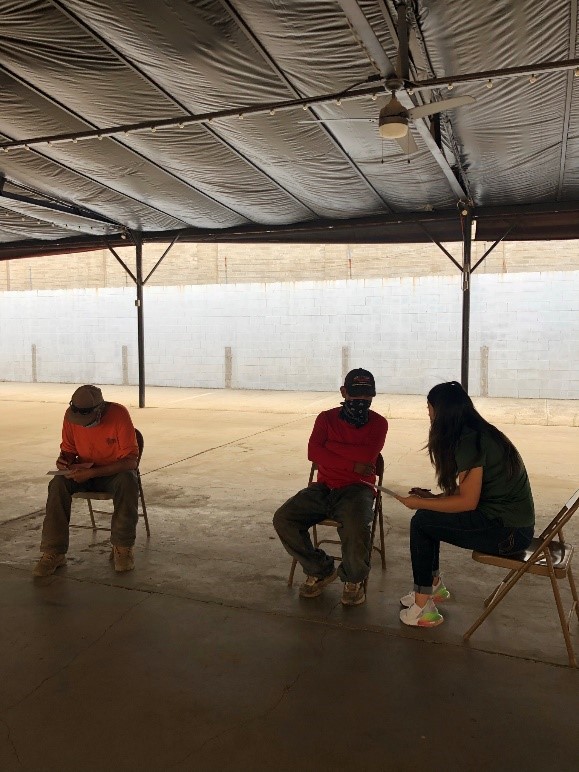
(353,594)
(48,563)
(313,585)
(124,558)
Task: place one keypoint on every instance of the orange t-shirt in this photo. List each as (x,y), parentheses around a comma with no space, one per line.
(112,440)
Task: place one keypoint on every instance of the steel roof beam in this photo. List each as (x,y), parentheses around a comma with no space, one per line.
(568,96)
(372,45)
(61,208)
(303,101)
(116,139)
(262,108)
(129,63)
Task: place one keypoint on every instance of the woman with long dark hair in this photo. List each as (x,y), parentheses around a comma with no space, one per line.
(486,501)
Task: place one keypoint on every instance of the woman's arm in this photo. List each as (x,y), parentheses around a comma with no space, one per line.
(465,499)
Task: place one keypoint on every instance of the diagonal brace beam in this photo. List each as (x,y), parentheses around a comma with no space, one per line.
(121,261)
(160,260)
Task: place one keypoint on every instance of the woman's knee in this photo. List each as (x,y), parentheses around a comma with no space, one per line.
(421,518)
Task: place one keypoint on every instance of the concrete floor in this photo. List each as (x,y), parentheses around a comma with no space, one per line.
(203,658)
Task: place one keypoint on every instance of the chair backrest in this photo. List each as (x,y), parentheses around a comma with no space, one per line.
(379,470)
(561,518)
(141,444)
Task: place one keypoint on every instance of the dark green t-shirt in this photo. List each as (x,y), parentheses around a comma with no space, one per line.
(510,500)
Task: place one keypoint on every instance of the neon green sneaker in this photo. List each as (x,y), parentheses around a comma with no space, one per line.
(439,595)
(429,616)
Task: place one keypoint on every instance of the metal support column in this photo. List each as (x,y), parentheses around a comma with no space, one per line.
(466,222)
(140,324)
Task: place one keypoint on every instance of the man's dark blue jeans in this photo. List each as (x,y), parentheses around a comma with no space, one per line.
(471,530)
(351,506)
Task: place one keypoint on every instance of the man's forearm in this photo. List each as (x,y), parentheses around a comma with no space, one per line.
(124,465)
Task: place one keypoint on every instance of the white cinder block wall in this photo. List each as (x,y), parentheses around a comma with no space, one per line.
(300,336)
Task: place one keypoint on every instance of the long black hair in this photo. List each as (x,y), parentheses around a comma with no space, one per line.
(454,412)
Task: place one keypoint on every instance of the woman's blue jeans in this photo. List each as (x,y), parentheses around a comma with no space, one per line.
(471,530)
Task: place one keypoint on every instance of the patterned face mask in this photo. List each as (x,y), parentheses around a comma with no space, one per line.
(356,412)
(97,419)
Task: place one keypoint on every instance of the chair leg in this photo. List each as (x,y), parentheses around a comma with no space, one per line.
(372,538)
(560,609)
(573,593)
(91,513)
(371,550)
(497,588)
(144,507)
(290,581)
(382,545)
(496,598)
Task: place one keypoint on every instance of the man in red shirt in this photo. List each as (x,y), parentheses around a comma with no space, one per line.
(345,444)
(98,452)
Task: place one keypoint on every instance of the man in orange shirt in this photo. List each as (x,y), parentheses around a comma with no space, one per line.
(98,452)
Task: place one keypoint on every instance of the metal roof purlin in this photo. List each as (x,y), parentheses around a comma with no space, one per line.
(367,35)
(568,96)
(116,139)
(256,42)
(210,130)
(281,105)
(62,208)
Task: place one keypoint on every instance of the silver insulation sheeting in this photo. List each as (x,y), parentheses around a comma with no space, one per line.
(77,65)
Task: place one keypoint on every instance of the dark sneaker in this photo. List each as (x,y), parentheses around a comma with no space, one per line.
(353,594)
(48,563)
(313,585)
(124,559)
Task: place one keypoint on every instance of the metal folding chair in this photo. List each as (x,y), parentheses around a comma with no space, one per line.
(378,520)
(544,557)
(90,496)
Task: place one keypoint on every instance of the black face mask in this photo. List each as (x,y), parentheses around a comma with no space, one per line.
(355,412)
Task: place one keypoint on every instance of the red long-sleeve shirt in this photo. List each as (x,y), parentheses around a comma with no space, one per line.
(336,446)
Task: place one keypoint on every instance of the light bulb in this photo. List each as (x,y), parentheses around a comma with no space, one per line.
(489,84)
(533,79)
(450,86)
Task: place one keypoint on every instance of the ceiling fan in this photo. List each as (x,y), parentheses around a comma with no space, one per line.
(394,119)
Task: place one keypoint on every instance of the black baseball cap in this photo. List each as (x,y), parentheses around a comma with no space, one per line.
(360,383)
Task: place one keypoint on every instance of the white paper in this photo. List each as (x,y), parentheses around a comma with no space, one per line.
(387,490)
(72,468)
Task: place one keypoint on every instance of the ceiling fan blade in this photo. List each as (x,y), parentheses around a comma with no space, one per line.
(439,107)
(407,144)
